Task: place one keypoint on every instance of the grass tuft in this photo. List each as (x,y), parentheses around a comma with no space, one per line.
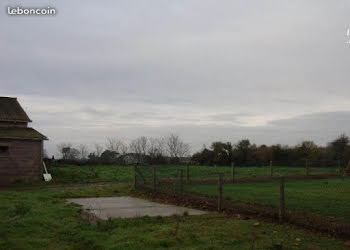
(21,209)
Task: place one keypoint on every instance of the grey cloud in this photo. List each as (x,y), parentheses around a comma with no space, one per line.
(229,116)
(134,67)
(325,121)
(133,115)
(96,112)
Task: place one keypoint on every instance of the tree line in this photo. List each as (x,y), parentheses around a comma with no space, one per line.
(244,153)
(170,149)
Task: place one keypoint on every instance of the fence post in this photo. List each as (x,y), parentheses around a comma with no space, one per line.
(232,172)
(180,182)
(220,192)
(339,167)
(281,210)
(187,173)
(154,179)
(135,180)
(346,169)
(271,169)
(306,167)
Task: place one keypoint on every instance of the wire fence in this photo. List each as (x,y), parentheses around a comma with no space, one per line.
(310,195)
(205,174)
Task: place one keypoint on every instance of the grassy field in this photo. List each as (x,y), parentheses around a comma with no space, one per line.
(100,173)
(91,174)
(327,197)
(43,220)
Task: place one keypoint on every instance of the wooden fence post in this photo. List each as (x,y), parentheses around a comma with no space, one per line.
(281,210)
(154,179)
(187,173)
(346,169)
(339,167)
(232,172)
(271,169)
(135,180)
(306,167)
(181,182)
(220,192)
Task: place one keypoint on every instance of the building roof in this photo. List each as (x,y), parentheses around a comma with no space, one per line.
(21,133)
(11,110)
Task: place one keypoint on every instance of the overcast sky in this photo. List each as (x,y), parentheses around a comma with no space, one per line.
(269,71)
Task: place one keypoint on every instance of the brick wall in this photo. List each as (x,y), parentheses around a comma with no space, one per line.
(23,161)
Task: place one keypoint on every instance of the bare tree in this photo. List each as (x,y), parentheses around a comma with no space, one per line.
(183,149)
(135,147)
(64,149)
(83,151)
(152,148)
(114,145)
(123,148)
(176,147)
(143,141)
(98,150)
(139,146)
(156,147)
(73,154)
(161,145)
(172,144)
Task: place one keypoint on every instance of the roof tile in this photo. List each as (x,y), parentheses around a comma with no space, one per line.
(21,133)
(11,110)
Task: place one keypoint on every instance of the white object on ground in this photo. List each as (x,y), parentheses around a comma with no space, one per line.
(47,176)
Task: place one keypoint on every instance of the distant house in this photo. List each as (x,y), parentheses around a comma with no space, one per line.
(21,147)
(130,158)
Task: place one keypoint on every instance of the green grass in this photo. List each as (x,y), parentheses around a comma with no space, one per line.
(91,174)
(42,219)
(101,173)
(327,197)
